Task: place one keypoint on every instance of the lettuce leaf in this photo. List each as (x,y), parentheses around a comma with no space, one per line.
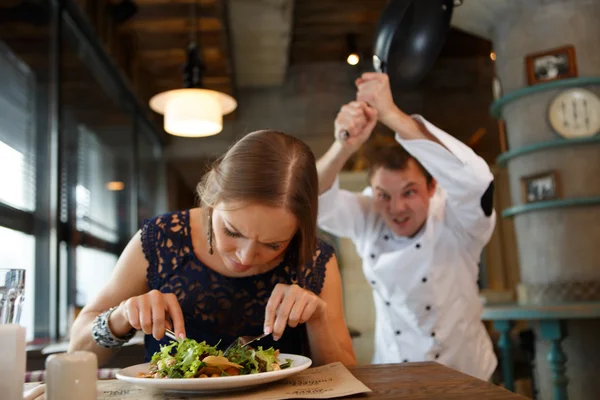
(265,358)
(184,359)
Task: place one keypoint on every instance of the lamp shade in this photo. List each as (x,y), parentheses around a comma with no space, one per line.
(193,112)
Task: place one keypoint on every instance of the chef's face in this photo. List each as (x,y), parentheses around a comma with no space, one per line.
(402,198)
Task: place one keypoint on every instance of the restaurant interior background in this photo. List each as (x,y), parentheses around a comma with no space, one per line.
(84,160)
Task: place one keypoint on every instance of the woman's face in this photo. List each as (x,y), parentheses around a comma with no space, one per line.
(253,238)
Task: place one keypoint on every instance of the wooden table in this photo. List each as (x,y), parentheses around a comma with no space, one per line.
(427,380)
(406,381)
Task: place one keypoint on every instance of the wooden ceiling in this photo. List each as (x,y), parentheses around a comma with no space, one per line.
(321,28)
(161,31)
(150,47)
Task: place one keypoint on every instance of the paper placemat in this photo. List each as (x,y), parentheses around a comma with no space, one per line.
(326,382)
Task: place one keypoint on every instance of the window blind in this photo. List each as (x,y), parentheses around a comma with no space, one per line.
(97,207)
(17,132)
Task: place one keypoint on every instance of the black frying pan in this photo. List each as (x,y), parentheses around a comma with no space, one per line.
(409,38)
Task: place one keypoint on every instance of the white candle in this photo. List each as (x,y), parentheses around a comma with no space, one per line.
(12,365)
(71,376)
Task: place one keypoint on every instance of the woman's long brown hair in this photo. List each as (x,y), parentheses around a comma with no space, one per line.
(273,169)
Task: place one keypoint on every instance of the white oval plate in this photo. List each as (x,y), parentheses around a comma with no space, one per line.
(222,383)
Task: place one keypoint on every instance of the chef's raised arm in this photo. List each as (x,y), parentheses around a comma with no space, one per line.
(341,212)
(465,177)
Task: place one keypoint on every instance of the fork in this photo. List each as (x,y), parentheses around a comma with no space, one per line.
(244,341)
(171,335)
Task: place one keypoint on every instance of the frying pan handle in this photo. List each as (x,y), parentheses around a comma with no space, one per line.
(378,64)
(379,67)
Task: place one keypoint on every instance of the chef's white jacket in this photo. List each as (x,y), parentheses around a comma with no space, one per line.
(425,288)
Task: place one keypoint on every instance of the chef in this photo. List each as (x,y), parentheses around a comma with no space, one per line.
(419,227)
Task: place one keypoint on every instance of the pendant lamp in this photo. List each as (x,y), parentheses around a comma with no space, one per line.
(193,111)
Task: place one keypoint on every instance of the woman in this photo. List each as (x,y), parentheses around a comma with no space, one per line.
(246,262)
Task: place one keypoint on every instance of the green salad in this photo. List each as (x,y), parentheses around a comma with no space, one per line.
(188,358)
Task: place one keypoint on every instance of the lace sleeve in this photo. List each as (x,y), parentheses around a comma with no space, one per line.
(314,271)
(149,239)
(166,244)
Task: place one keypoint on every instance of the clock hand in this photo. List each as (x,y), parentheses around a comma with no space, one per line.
(587,117)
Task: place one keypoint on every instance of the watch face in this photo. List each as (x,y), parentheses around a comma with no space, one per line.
(575,113)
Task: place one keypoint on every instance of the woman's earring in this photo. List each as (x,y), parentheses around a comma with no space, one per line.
(210,232)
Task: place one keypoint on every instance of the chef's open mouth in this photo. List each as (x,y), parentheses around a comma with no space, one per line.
(400,220)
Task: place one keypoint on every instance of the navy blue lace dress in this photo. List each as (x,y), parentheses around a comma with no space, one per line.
(217,308)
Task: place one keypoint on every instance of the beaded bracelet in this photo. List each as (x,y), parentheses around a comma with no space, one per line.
(102,334)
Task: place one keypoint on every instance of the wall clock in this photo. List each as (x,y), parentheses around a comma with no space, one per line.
(575,113)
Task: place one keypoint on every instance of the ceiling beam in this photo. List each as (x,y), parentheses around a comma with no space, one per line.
(179,55)
(261,35)
(167,26)
(160,41)
(181,10)
(201,3)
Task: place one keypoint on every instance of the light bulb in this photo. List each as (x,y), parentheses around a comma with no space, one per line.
(193,114)
(353,59)
(115,186)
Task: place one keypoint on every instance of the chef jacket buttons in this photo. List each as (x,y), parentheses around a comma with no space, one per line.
(373,256)
(418,246)
(387,303)
(432,334)
(405,360)
(437,356)
(386,237)
(424,279)
(372,282)
(398,333)
(428,308)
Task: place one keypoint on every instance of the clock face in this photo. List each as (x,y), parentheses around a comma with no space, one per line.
(575,113)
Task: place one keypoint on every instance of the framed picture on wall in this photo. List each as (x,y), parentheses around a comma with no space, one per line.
(550,65)
(540,187)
